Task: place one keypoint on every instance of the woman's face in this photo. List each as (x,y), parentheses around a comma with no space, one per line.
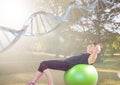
(94,48)
(91,48)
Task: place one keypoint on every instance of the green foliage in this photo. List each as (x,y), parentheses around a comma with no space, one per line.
(116,43)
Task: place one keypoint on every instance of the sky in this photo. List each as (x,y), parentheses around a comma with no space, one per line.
(14,13)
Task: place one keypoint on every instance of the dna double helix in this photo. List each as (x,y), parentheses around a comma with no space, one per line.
(41,23)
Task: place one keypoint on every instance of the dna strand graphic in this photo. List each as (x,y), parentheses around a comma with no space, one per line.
(41,23)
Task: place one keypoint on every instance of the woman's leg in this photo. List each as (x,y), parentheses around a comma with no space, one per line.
(37,77)
(49,77)
(43,69)
(39,74)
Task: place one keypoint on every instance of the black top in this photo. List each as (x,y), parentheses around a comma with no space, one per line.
(80,59)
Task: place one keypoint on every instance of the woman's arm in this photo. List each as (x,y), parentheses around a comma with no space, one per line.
(92,58)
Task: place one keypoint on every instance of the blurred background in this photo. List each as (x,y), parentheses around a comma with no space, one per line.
(19,63)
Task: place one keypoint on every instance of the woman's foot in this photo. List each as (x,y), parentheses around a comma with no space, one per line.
(30,83)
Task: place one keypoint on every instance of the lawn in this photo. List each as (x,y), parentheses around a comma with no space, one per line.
(17,69)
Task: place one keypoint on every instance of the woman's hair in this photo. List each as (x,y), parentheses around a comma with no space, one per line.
(94,43)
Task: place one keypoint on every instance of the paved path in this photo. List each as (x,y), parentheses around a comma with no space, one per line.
(108,70)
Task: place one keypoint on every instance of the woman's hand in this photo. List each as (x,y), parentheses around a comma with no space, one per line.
(97,49)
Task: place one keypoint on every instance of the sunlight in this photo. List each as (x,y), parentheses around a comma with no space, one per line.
(12,13)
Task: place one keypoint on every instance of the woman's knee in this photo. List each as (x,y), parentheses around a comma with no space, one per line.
(42,66)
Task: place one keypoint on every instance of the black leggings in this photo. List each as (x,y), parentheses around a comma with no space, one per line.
(53,64)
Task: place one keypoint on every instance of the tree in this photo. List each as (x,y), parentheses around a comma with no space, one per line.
(99,25)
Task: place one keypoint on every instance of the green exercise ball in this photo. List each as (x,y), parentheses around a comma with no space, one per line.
(81,74)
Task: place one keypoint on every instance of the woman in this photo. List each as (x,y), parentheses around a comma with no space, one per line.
(85,58)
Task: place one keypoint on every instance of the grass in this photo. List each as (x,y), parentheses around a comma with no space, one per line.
(17,69)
